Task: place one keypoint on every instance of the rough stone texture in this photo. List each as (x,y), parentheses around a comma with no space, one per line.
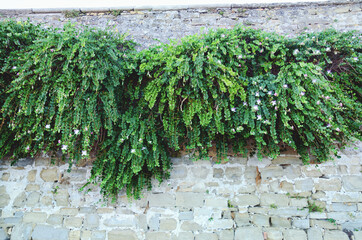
(352,183)
(335,235)
(315,234)
(279,200)
(35,217)
(249,233)
(206,236)
(4,197)
(44,232)
(49,174)
(122,234)
(187,199)
(161,200)
(328,184)
(293,234)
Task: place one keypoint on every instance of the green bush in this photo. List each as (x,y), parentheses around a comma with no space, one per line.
(83,91)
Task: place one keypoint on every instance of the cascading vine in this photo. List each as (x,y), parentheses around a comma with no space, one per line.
(86,93)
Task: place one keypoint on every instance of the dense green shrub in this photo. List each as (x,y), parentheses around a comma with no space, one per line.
(83,91)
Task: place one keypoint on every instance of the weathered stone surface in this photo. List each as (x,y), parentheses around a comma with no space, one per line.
(161,200)
(3,235)
(190,226)
(32,187)
(315,234)
(19,201)
(352,183)
(335,235)
(179,172)
(294,202)
(32,199)
(293,234)
(62,197)
(73,222)
(35,217)
(189,215)
(226,234)
(5,176)
(55,219)
(323,224)
(183,236)
(168,224)
(125,221)
(249,233)
(216,202)
(4,197)
(246,200)
(91,221)
(267,199)
(304,185)
(301,223)
(31,176)
(343,207)
(200,172)
(122,234)
(242,219)
(69,211)
(233,172)
(21,231)
(157,236)
(206,236)
(357,235)
(260,220)
(354,224)
(289,212)
(189,199)
(76,175)
(328,184)
(154,222)
(280,222)
(274,234)
(23,162)
(45,232)
(218,173)
(271,172)
(98,235)
(49,174)
(220,224)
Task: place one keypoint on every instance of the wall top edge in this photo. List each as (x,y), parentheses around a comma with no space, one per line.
(175,7)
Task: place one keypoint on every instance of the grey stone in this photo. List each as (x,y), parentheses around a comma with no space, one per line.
(161,200)
(304,185)
(323,224)
(21,231)
(179,172)
(154,222)
(328,184)
(23,162)
(118,234)
(76,175)
(357,235)
(3,235)
(62,197)
(69,211)
(12,220)
(91,221)
(352,183)
(216,202)
(206,236)
(226,234)
(301,223)
(189,199)
(271,172)
(293,234)
(292,172)
(220,224)
(35,217)
(168,224)
(355,224)
(32,175)
(280,222)
(190,226)
(274,234)
(98,235)
(157,236)
(32,199)
(183,236)
(246,200)
(335,235)
(315,234)
(218,173)
(242,219)
(298,202)
(343,207)
(55,219)
(44,232)
(260,220)
(4,197)
(233,172)
(200,172)
(289,212)
(32,187)
(49,174)
(249,233)
(267,199)
(73,222)
(19,201)
(186,215)
(125,221)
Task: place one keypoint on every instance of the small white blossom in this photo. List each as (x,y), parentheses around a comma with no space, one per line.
(328,49)
(84,153)
(355,58)
(285,86)
(27,148)
(133,150)
(150,142)
(314,80)
(140,140)
(257,94)
(259,117)
(47,126)
(338,130)
(302,93)
(329,125)
(14,67)
(222,35)
(258,101)
(64,147)
(255,108)
(233,130)
(76,131)
(296,51)
(318,102)
(245,103)
(144,148)
(233,109)
(240,56)
(270,93)
(274,103)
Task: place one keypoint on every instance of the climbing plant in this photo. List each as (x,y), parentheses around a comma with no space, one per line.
(81,92)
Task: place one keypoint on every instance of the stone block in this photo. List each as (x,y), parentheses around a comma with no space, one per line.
(322,224)
(352,183)
(32,187)
(206,236)
(118,234)
(226,234)
(19,201)
(5,176)
(200,172)
(216,202)
(71,222)
(242,219)
(62,197)
(260,220)
(157,236)
(183,236)
(249,233)
(315,234)
(23,162)
(289,212)
(335,235)
(168,224)
(74,235)
(49,175)
(124,221)
(280,222)
(293,234)
(35,217)
(154,222)
(354,224)
(21,231)
(304,185)
(161,200)
(301,223)
(318,215)
(334,184)
(189,215)
(76,175)
(267,199)
(189,199)
(233,173)
(273,234)
(4,197)
(294,202)
(343,207)
(69,211)
(98,235)
(46,201)
(91,221)
(246,200)
(55,219)
(45,232)
(271,172)
(357,235)
(105,210)
(178,172)
(32,199)
(218,173)
(220,224)
(190,226)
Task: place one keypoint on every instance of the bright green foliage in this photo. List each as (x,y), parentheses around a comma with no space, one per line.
(83,91)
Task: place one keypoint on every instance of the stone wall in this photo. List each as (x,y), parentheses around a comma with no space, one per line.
(242,199)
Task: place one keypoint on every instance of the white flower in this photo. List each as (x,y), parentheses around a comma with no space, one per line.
(274,103)
(270,93)
(314,80)
(258,101)
(84,153)
(233,130)
(317,52)
(245,103)
(219,61)
(233,109)
(296,51)
(328,49)
(47,126)
(285,86)
(329,125)
(27,148)
(133,150)
(302,93)
(338,130)
(240,56)
(318,102)
(76,131)
(355,58)
(150,142)
(140,140)
(255,108)
(14,67)
(257,94)
(144,148)
(222,35)
(259,117)
(64,147)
